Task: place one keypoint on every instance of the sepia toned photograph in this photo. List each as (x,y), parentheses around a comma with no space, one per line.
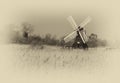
(59,41)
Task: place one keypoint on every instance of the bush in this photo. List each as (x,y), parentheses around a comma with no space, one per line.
(93,41)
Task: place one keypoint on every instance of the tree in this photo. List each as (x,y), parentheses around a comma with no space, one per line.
(93,41)
(27,29)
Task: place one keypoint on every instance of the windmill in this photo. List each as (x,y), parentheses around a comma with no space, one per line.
(79,33)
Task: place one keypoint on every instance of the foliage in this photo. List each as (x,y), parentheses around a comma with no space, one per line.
(93,41)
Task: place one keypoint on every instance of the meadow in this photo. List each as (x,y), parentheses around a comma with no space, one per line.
(25,63)
(54,57)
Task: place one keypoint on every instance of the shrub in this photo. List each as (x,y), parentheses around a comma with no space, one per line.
(93,41)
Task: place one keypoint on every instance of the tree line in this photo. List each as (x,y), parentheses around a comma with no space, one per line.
(26,38)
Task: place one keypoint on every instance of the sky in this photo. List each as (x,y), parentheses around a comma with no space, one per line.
(50,16)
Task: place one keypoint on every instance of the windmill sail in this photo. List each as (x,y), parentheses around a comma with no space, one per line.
(72,22)
(70,36)
(84,36)
(86,21)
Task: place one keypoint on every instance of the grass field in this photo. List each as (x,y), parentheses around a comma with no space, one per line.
(102,63)
(51,57)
